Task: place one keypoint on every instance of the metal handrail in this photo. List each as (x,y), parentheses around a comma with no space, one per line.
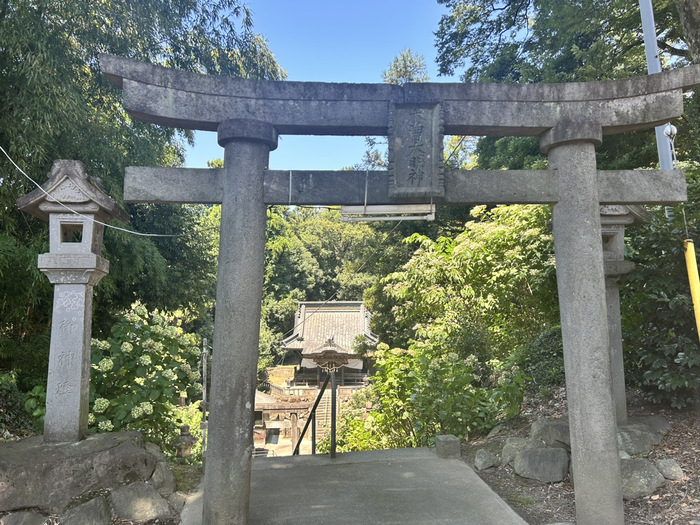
(312,419)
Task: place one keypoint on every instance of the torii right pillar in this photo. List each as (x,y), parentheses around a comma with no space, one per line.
(581,282)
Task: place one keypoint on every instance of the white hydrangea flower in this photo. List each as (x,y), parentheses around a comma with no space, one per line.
(145,360)
(136,412)
(91,419)
(168,374)
(146,407)
(106,364)
(100,345)
(105,426)
(101,404)
(141,310)
(132,318)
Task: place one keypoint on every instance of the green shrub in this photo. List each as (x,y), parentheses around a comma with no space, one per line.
(662,354)
(13,416)
(35,405)
(542,360)
(425,391)
(138,374)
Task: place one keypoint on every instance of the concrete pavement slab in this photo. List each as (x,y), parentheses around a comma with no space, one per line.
(405,486)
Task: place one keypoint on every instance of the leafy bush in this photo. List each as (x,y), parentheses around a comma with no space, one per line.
(661,338)
(421,392)
(542,360)
(35,405)
(357,427)
(138,374)
(13,417)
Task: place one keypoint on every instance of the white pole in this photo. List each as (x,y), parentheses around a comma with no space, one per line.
(663,145)
(203,425)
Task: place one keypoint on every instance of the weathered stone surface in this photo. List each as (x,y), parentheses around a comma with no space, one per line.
(447,447)
(94,512)
(639,478)
(139,501)
(583,309)
(177,501)
(494,431)
(205,185)
(47,476)
(163,479)
(670,469)
(547,465)
(155,451)
(239,284)
(634,441)
(514,445)
(23,518)
(314,108)
(624,455)
(552,432)
(485,459)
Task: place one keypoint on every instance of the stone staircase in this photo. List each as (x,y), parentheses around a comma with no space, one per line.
(323,415)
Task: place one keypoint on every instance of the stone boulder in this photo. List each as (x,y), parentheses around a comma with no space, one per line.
(94,512)
(485,459)
(639,478)
(163,479)
(139,501)
(513,445)
(638,436)
(23,518)
(670,469)
(48,476)
(554,433)
(546,465)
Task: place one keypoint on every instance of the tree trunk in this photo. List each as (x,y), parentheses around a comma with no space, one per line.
(689,11)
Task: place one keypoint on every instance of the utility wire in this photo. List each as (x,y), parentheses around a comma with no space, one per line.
(80,214)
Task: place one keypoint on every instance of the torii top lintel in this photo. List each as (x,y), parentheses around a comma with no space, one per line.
(175,98)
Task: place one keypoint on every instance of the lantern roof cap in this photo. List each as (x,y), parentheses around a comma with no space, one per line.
(69,186)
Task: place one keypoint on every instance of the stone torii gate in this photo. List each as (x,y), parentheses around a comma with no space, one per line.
(570,120)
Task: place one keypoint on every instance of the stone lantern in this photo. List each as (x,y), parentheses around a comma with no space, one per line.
(613,221)
(71,202)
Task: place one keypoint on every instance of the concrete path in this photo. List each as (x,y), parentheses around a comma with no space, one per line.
(406,486)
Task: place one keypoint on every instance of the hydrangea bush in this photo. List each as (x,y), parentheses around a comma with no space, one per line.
(139,373)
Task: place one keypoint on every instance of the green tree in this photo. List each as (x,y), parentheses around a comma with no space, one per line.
(550,41)
(453,314)
(661,338)
(57,104)
(406,67)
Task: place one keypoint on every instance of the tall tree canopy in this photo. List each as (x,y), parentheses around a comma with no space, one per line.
(57,105)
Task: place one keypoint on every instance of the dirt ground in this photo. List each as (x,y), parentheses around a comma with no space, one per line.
(677,503)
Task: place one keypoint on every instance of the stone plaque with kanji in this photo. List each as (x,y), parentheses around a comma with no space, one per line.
(415,151)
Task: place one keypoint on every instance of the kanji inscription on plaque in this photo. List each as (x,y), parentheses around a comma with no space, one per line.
(415,151)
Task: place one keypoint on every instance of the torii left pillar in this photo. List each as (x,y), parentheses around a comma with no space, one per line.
(247,144)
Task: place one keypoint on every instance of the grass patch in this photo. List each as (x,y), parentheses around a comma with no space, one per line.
(187,477)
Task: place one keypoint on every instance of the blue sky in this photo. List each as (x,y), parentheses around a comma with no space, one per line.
(329,41)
